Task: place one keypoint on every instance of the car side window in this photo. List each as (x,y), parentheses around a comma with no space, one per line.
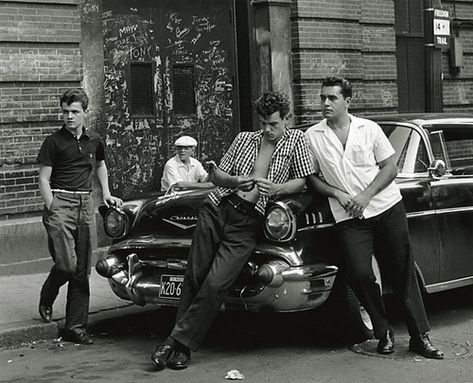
(411,154)
(459,144)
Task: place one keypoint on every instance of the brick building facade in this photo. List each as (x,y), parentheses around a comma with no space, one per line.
(47,46)
(40,56)
(350,38)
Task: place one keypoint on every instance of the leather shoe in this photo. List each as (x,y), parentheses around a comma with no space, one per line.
(179,360)
(46,313)
(78,336)
(162,354)
(386,343)
(423,346)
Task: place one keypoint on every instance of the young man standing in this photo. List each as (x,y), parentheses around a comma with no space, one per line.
(355,159)
(183,171)
(257,166)
(67,158)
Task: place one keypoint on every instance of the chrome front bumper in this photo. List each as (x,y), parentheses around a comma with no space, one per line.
(295,288)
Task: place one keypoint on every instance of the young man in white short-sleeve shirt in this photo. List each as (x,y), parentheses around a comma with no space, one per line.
(355,160)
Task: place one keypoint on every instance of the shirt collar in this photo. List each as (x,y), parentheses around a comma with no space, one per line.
(258,135)
(180,163)
(64,130)
(355,122)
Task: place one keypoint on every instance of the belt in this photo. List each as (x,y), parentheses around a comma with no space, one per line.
(241,204)
(69,191)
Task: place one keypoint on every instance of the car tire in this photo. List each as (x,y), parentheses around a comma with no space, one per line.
(352,319)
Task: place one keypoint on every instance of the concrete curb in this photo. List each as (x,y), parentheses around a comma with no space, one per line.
(26,332)
(19,319)
(21,333)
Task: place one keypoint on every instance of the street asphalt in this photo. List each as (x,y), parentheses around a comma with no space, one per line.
(19,298)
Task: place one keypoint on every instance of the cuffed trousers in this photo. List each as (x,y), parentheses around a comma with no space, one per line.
(387,237)
(223,240)
(69,225)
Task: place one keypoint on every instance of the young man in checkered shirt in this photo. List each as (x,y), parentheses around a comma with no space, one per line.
(258,166)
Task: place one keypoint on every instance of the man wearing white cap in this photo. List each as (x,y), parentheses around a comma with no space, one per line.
(183,171)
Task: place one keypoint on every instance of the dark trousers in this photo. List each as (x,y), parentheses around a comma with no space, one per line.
(69,225)
(387,237)
(223,240)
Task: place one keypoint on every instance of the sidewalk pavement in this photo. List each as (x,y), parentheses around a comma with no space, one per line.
(19,298)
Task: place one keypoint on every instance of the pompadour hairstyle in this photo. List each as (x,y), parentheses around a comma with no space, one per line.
(272,102)
(341,82)
(75,95)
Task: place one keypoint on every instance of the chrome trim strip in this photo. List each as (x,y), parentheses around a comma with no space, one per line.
(450,210)
(442,286)
(179,225)
(455,210)
(423,213)
(308,273)
(316,227)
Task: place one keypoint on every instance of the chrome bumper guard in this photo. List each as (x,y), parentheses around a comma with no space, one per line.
(309,284)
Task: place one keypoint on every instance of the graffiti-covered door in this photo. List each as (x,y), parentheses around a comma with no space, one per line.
(169,68)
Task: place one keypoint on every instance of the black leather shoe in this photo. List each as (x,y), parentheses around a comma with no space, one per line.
(46,313)
(179,360)
(78,336)
(162,354)
(386,343)
(423,346)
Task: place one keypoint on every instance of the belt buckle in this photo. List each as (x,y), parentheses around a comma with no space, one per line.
(235,204)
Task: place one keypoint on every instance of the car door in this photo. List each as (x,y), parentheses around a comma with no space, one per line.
(453,199)
(412,158)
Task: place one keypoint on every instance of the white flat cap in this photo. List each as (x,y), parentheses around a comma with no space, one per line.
(185,141)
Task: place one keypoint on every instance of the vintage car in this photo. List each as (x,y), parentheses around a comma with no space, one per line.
(296,263)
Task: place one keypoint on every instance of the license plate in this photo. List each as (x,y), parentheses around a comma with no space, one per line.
(171,286)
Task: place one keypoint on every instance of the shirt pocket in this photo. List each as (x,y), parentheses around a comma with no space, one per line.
(90,157)
(362,155)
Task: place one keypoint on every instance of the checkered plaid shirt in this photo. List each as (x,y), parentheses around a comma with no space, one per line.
(290,160)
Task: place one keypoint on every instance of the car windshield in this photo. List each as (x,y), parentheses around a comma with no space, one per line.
(459,146)
(411,154)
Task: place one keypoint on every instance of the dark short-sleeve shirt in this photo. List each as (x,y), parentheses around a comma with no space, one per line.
(290,160)
(72,160)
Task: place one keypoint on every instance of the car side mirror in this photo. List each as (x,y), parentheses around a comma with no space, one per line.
(437,168)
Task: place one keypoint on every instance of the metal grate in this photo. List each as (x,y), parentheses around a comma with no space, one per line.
(141,89)
(183,89)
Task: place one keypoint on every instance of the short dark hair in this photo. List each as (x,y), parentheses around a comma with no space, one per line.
(75,95)
(272,102)
(341,82)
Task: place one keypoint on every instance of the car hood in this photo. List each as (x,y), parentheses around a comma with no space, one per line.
(169,214)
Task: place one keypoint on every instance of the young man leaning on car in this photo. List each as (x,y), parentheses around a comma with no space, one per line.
(257,166)
(356,161)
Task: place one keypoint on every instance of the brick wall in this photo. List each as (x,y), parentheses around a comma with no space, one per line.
(40,57)
(350,38)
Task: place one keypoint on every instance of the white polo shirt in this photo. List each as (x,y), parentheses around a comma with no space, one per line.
(175,170)
(352,169)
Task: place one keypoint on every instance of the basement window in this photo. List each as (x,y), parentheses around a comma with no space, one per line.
(141,89)
(183,88)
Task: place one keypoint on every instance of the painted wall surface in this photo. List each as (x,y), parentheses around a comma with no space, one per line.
(165,33)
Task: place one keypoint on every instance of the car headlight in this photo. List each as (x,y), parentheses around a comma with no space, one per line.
(280,224)
(115,223)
